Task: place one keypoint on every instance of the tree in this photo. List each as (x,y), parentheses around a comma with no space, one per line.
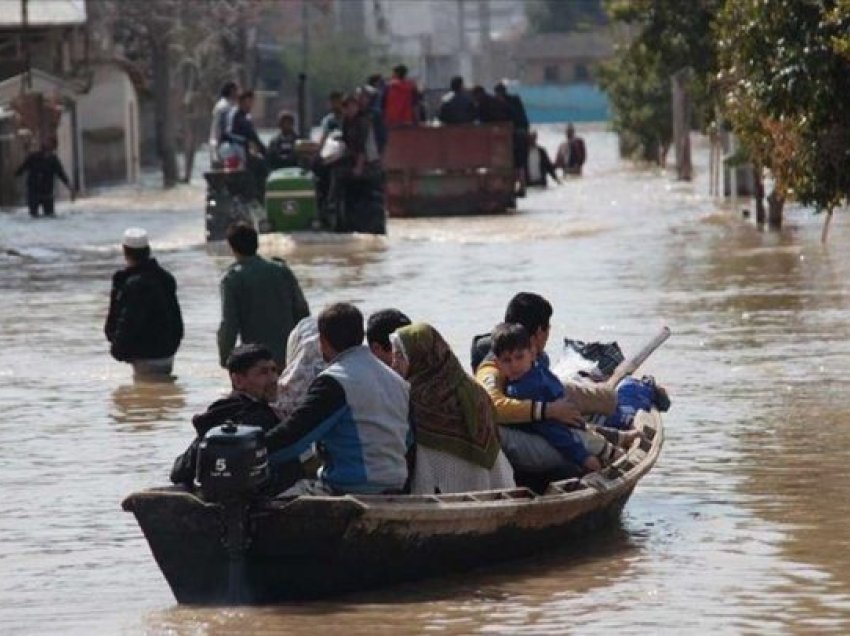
(785,77)
(341,63)
(662,39)
(185,50)
(548,16)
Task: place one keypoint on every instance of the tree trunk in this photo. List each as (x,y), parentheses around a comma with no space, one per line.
(775,204)
(759,195)
(163,109)
(681,124)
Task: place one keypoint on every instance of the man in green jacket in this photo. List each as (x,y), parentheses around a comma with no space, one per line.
(261,301)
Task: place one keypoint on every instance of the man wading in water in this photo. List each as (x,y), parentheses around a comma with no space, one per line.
(144,326)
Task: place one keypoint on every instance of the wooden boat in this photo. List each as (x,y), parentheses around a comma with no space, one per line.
(313,546)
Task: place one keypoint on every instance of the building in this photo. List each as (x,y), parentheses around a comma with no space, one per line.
(553,58)
(50,87)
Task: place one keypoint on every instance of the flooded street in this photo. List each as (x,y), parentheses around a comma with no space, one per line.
(740,527)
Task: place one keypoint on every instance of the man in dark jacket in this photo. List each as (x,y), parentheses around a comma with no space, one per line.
(520,121)
(456,107)
(261,301)
(240,131)
(281,153)
(42,168)
(253,377)
(144,325)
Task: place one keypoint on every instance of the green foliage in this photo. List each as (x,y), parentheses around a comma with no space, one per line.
(640,99)
(559,16)
(340,63)
(785,77)
(665,37)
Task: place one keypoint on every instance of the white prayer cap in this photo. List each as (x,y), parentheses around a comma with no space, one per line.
(136,238)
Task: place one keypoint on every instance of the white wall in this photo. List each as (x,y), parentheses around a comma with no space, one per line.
(112,102)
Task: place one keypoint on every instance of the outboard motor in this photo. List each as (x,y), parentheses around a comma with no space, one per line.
(232,467)
(232,462)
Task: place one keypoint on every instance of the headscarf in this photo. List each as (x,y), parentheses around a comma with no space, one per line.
(303,363)
(451,412)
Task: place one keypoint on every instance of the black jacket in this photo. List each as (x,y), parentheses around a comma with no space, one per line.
(240,408)
(457,108)
(144,320)
(42,169)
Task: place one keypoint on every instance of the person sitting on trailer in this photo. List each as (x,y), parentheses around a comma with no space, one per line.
(539,166)
(356,410)
(253,378)
(281,151)
(456,106)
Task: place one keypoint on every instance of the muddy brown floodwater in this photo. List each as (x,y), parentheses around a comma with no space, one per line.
(742,527)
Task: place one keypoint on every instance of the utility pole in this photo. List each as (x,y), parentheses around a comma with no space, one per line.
(484,42)
(464,61)
(305,111)
(26,45)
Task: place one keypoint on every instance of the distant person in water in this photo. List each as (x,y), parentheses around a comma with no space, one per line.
(144,325)
(42,168)
(572,153)
(539,167)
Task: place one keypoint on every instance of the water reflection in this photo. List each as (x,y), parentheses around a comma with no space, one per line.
(500,599)
(146,402)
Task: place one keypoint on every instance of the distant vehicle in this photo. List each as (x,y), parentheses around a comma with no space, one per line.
(291,202)
(463,169)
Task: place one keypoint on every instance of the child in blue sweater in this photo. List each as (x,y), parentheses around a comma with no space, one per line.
(531,379)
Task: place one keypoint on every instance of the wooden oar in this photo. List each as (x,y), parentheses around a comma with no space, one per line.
(630,365)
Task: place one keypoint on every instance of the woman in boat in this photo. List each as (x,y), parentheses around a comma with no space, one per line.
(457,442)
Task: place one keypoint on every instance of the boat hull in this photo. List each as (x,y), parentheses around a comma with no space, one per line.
(313,547)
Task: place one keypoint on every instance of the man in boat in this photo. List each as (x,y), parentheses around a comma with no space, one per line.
(539,167)
(379,326)
(456,107)
(253,378)
(356,410)
(261,301)
(144,325)
(572,153)
(526,451)
(281,151)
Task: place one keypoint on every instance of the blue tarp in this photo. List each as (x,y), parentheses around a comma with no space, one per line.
(558,103)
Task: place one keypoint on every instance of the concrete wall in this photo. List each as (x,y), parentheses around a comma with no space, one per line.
(108,119)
